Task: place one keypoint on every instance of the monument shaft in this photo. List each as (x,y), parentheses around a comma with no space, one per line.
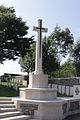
(38,60)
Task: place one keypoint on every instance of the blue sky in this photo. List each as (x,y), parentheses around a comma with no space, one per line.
(65,13)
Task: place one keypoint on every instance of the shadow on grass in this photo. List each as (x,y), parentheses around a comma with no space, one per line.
(6,91)
(64,95)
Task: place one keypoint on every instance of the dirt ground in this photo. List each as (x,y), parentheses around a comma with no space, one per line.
(73,117)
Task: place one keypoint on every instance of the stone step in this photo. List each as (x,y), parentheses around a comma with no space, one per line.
(7,106)
(6,102)
(10,114)
(20,117)
(7,110)
(5,99)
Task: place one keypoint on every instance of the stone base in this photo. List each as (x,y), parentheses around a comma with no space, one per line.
(42,110)
(56,109)
(38,93)
(38,81)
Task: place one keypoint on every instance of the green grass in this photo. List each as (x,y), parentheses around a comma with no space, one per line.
(6,91)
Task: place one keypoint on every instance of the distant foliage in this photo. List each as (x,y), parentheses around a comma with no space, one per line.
(67,69)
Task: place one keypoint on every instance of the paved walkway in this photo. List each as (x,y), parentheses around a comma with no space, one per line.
(73,117)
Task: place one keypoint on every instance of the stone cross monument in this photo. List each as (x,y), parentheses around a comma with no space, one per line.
(38,61)
(37,79)
(39,98)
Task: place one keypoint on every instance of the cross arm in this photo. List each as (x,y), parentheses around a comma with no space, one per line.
(42,29)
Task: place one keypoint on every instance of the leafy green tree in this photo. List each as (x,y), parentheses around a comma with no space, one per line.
(67,69)
(62,41)
(13,42)
(50,62)
(27,62)
(76,57)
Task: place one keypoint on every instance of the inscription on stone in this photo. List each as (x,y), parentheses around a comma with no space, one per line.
(77,91)
(64,107)
(28,109)
(74,106)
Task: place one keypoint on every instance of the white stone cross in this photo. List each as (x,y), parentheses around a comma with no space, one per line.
(38,61)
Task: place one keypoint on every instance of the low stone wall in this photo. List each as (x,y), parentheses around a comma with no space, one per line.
(70,107)
(62,89)
(65,81)
(64,85)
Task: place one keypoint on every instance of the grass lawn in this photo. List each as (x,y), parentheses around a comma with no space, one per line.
(6,91)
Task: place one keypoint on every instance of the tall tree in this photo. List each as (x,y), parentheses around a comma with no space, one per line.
(76,57)
(13,42)
(62,41)
(50,62)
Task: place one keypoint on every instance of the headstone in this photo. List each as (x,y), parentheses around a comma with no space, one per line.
(63,89)
(71,91)
(76,91)
(53,85)
(60,89)
(67,90)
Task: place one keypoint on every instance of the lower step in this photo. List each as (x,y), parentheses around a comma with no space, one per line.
(5,99)
(9,114)
(7,106)
(21,117)
(2,110)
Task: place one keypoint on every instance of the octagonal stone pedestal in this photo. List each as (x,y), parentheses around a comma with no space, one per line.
(38,93)
(38,88)
(39,98)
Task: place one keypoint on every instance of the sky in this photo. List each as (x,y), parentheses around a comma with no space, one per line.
(65,13)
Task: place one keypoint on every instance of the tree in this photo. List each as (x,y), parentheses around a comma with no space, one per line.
(66,70)
(13,42)
(27,62)
(76,57)
(49,62)
(62,41)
